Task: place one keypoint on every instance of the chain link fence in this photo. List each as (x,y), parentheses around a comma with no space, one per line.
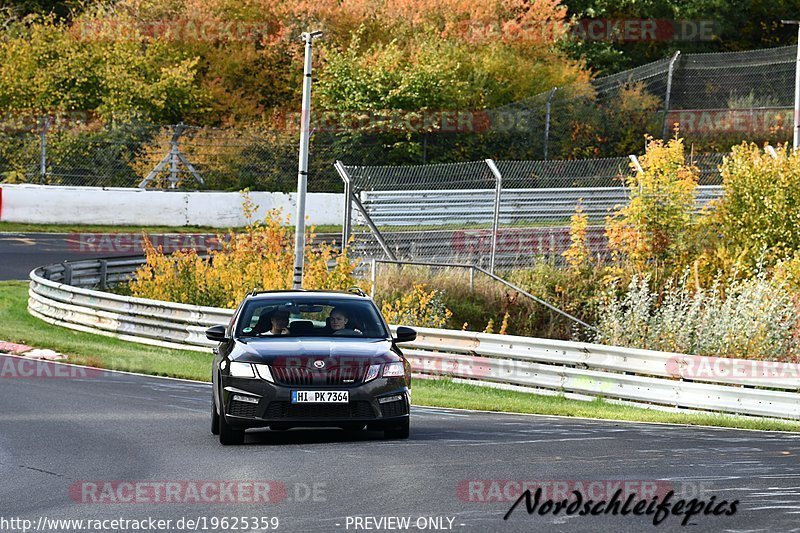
(163,157)
(488,214)
(717,99)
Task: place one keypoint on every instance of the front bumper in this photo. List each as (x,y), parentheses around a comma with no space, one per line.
(274,407)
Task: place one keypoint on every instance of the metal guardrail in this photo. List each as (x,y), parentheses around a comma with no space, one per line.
(455,207)
(624,374)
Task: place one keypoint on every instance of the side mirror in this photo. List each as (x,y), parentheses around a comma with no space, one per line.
(216,333)
(405,334)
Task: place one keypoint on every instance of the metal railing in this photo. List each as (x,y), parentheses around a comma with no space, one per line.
(472,269)
(642,377)
(517,206)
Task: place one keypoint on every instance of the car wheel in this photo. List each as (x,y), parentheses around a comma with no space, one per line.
(229,435)
(214,418)
(398,432)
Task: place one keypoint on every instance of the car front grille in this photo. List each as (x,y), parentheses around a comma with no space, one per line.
(360,409)
(342,376)
(290,375)
(391,409)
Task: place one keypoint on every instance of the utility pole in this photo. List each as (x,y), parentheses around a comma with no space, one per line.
(302,174)
(796,137)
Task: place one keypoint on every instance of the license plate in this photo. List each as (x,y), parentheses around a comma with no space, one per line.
(320,396)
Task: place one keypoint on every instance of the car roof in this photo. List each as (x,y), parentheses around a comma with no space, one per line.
(306,295)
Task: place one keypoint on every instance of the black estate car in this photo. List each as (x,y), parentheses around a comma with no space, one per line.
(305,359)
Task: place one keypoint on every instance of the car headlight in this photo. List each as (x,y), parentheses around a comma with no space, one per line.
(264,373)
(372,372)
(242,370)
(394,370)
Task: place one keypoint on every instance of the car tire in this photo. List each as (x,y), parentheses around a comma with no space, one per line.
(229,435)
(398,432)
(214,418)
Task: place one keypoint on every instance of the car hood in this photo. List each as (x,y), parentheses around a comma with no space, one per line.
(304,351)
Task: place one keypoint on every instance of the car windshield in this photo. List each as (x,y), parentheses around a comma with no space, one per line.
(318,317)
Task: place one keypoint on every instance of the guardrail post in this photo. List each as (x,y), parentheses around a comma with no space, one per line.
(67,276)
(496,218)
(471,279)
(103,274)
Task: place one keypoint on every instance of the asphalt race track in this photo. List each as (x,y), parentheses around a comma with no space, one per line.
(70,429)
(22,252)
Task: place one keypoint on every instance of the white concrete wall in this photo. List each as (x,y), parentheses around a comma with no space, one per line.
(119,206)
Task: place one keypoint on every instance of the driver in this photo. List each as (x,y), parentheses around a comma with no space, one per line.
(280,321)
(338,319)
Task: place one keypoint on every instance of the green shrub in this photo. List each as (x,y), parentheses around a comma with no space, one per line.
(760,211)
(753,318)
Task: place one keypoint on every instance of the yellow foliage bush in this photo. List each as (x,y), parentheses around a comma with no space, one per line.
(260,257)
(418,307)
(650,233)
(578,254)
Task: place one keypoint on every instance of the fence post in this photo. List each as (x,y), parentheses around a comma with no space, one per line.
(374,229)
(770,150)
(496,218)
(638,167)
(636,164)
(669,92)
(348,203)
(471,279)
(374,276)
(547,120)
(43,151)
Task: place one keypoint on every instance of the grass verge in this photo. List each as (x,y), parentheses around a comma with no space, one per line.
(16,325)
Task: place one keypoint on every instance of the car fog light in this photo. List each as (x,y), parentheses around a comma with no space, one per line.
(246,399)
(388,399)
